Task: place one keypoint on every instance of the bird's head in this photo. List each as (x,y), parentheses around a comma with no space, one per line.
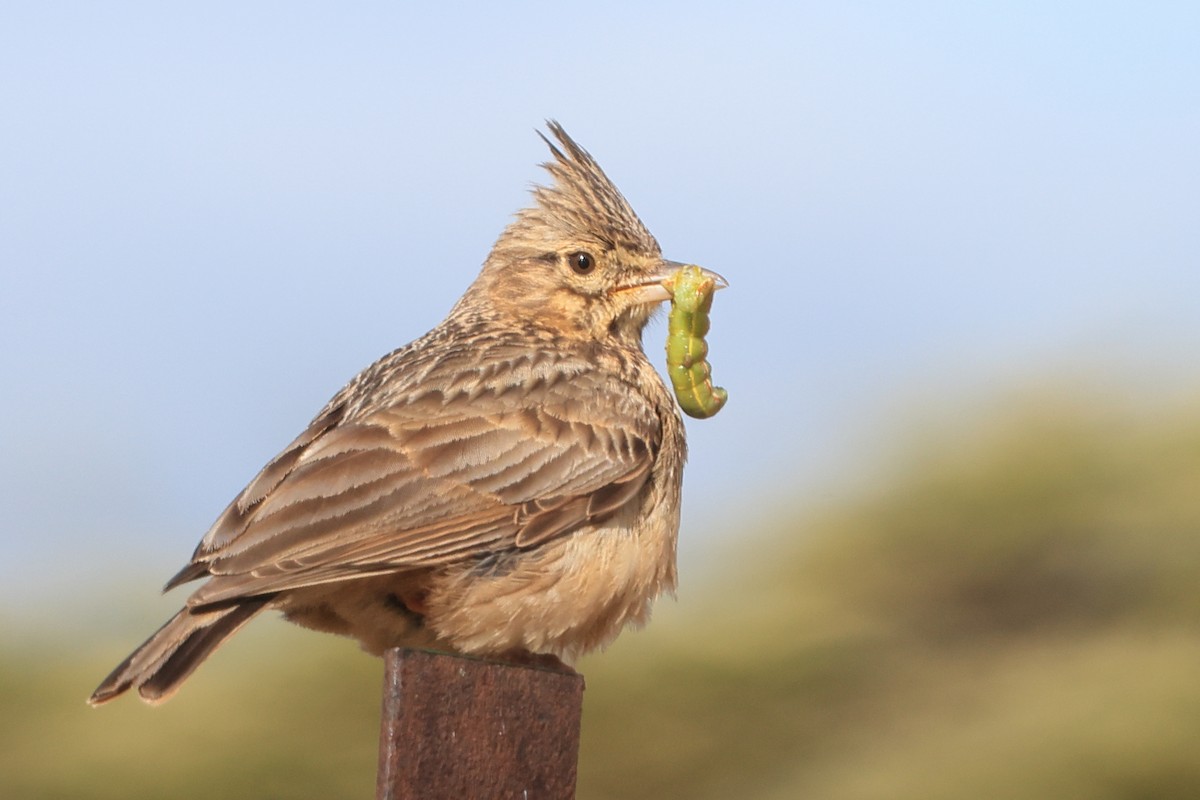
(579,260)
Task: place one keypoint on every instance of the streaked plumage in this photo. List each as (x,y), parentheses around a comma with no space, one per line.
(506,485)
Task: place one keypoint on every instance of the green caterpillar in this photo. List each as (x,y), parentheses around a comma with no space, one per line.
(687,325)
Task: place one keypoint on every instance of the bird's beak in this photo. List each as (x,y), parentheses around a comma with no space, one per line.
(659,285)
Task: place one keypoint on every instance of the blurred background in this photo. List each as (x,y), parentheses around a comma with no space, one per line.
(941,543)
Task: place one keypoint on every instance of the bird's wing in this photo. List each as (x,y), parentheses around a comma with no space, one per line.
(435,479)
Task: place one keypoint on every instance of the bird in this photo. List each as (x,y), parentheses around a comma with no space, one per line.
(506,486)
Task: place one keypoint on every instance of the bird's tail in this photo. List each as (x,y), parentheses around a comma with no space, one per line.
(166,659)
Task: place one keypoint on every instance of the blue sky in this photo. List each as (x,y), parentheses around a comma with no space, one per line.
(212,215)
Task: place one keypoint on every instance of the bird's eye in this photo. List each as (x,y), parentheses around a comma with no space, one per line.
(582,263)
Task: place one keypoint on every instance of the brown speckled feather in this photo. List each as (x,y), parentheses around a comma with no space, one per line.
(429,479)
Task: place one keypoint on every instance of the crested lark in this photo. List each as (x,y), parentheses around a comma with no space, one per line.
(507,485)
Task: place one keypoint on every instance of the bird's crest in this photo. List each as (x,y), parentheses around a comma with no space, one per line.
(582,203)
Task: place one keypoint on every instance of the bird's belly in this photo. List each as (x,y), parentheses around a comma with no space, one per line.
(565,597)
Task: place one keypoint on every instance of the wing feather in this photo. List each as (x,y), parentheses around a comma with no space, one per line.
(431,479)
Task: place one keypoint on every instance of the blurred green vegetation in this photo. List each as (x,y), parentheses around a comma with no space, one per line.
(1012,613)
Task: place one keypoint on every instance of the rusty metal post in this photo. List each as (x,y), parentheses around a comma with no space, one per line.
(460,728)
